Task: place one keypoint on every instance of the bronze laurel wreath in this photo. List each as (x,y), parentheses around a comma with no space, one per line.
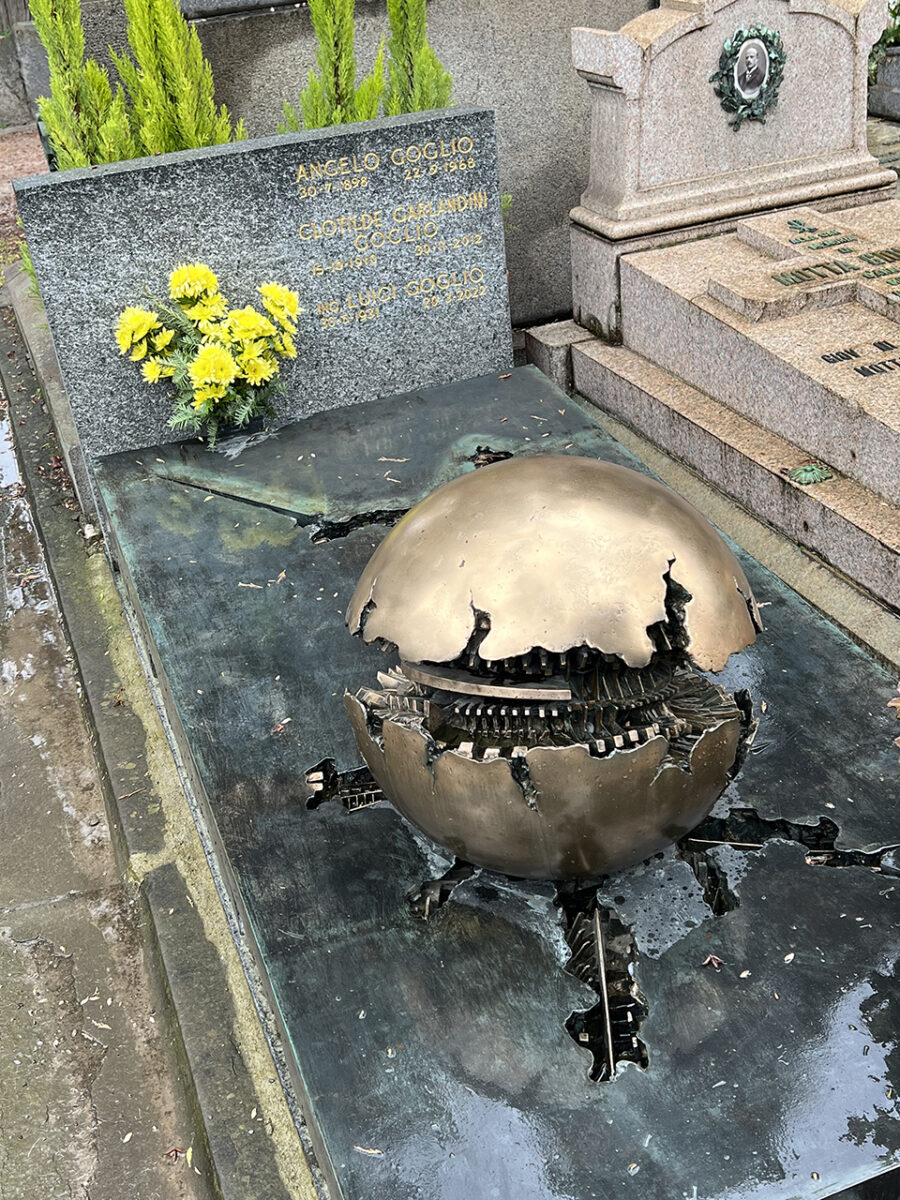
(726,88)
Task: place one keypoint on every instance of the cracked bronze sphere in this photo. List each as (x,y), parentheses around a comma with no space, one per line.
(545,718)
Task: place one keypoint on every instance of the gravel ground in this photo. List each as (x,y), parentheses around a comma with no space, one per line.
(20,154)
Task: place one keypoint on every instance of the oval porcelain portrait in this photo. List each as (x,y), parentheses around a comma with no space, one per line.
(751,69)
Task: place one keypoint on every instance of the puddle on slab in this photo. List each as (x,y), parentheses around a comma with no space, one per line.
(9,464)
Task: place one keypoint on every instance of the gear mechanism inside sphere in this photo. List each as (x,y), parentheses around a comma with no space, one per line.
(547,717)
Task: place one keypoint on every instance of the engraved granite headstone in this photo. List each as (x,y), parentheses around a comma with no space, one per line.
(758,353)
(391,231)
(741,243)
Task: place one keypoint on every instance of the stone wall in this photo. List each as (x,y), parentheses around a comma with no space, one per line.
(13,101)
(512,55)
(884,97)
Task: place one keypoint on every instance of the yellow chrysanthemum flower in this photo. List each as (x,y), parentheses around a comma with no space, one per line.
(247,325)
(257,370)
(208,308)
(254,350)
(215,331)
(133,326)
(277,297)
(205,397)
(212,367)
(161,340)
(189,281)
(279,315)
(285,346)
(152,371)
(139,351)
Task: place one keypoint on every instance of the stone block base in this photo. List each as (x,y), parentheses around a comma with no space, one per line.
(549,348)
(32,63)
(32,322)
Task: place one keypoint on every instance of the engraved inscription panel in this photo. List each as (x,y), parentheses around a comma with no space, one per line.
(412,254)
(868,359)
(819,263)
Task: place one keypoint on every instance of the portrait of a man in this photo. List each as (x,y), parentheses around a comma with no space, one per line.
(751,69)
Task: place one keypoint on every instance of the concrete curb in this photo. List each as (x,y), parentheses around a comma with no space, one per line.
(33,326)
(248,1132)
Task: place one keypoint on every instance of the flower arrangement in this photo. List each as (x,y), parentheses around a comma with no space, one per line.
(223,362)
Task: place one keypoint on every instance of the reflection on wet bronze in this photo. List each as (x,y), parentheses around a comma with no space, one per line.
(546,719)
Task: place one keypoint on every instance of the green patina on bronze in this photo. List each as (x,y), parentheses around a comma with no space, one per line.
(725,83)
(811,472)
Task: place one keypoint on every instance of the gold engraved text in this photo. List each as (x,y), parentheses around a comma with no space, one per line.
(395,236)
(432,151)
(349,223)
(440,208)
(331,168)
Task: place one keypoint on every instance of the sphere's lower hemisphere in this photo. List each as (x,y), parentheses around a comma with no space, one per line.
(551,811)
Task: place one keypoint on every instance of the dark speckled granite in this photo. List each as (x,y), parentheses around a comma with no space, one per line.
(101,238)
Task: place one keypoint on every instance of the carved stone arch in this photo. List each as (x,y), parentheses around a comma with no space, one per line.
(663,153)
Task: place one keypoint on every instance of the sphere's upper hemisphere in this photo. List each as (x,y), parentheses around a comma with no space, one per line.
(559,552)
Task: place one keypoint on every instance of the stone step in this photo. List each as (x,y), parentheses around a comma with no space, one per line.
(849,526)
(824,378)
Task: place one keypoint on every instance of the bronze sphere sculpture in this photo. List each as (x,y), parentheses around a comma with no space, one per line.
(546,718)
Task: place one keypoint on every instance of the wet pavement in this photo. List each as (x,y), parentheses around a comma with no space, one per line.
(90,1095)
